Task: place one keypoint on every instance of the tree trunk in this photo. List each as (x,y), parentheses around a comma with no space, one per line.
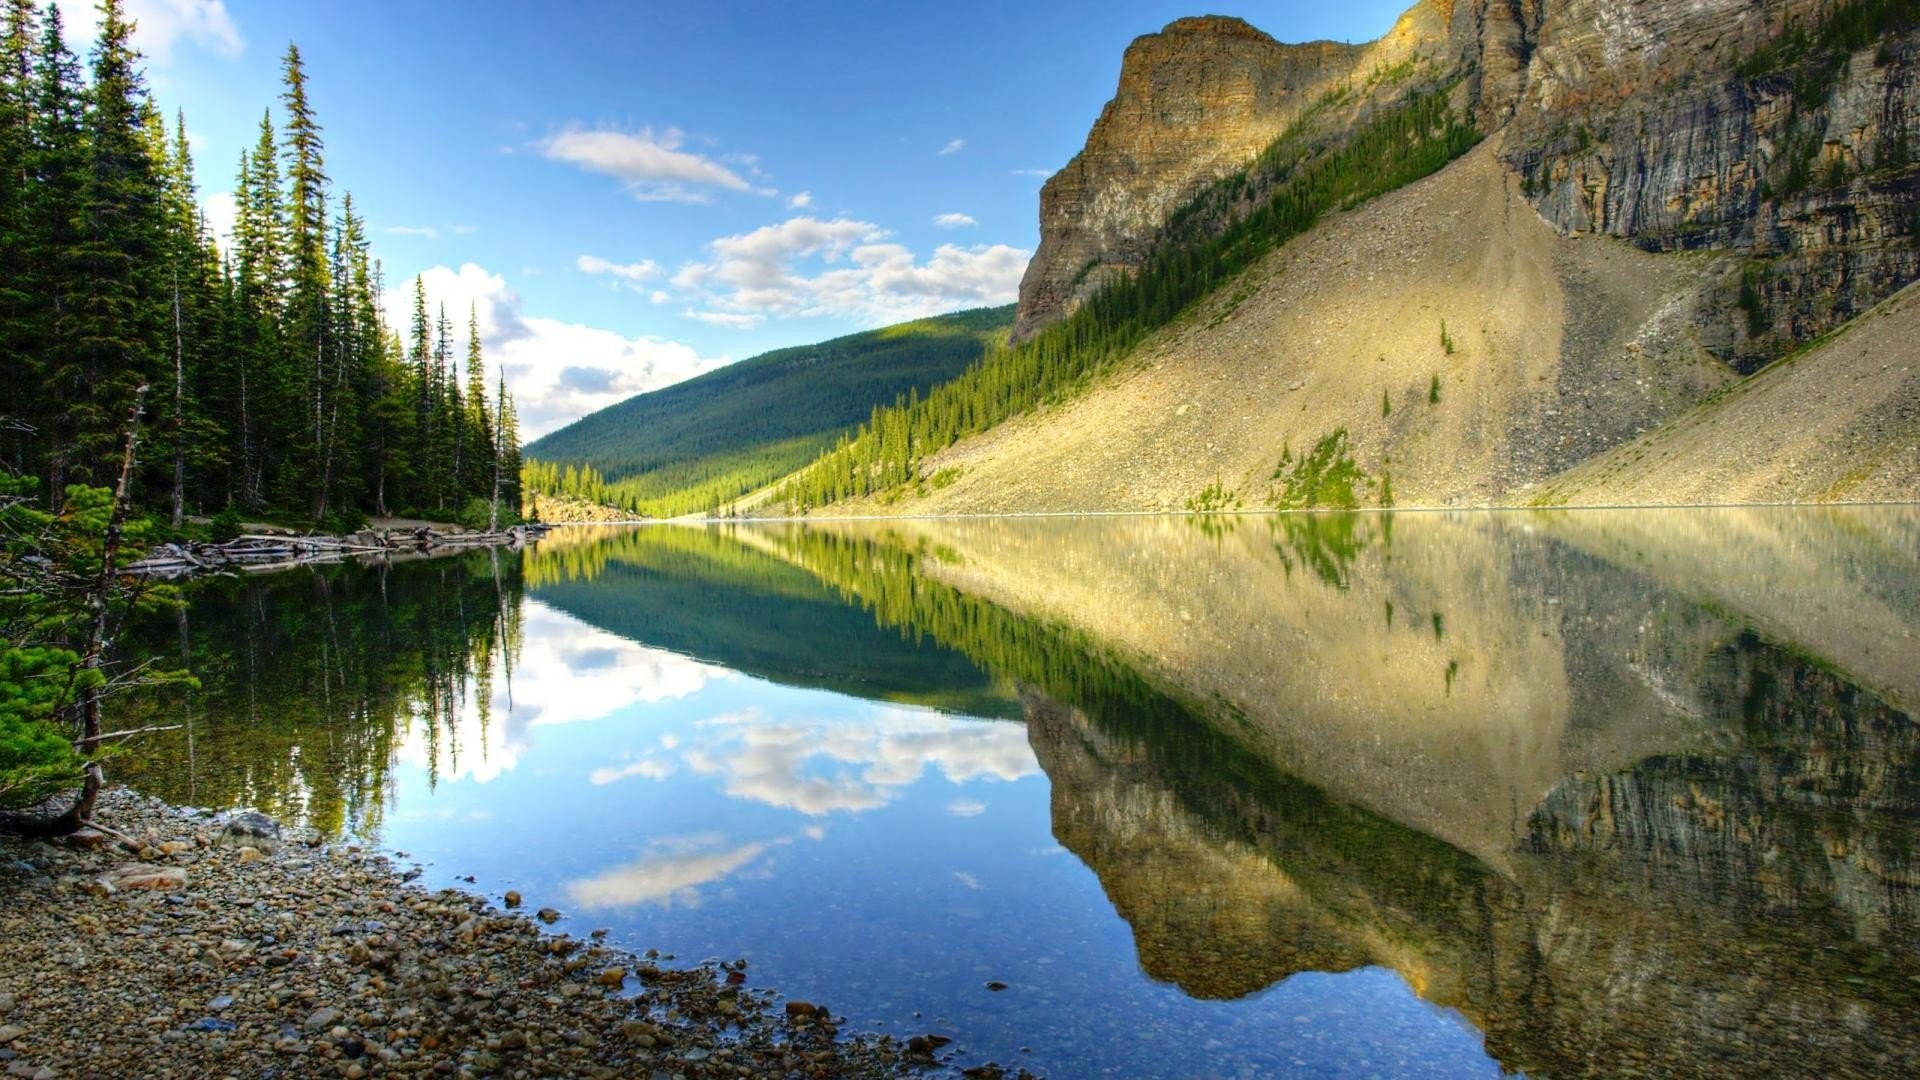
(179,420)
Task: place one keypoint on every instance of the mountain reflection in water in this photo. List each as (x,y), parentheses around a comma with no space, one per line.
(1633,792)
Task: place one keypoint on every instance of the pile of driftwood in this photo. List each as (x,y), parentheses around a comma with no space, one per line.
(259,553)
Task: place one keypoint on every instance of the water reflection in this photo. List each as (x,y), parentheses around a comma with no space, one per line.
(1632,792)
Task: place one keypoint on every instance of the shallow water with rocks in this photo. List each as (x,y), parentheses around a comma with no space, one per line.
(1344,795)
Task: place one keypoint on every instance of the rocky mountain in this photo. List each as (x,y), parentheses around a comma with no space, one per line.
(1670,196)
(1776,128)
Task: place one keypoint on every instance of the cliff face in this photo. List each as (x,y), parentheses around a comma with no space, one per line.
(1706,125)
(1202,98)
(1196,101)
(1763,127)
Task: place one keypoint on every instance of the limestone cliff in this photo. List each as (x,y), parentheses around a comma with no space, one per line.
(1778,129)
(1196,101)
(1202,98)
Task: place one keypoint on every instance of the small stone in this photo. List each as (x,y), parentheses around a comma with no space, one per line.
(211,1023)
(513,1040)
(250,854)
(221,1003)
(548,915)
(613,977)
(11,1032)
(996,985)
(322,1019)
(512,898)
(802,1008)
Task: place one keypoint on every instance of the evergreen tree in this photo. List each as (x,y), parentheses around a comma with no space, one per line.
(115,256)
(273,383)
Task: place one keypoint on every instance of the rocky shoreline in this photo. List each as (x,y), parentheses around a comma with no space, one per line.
(195,944)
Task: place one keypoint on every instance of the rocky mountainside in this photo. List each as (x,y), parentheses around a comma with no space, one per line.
(1668,197)
(1780,129)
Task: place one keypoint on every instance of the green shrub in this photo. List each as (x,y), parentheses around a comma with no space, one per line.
(342,522)
(226,525)
(474,515)
(1323,478)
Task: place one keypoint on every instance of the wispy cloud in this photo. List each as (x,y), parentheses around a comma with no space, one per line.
(954,221)
(1040,173)
(630,275)
(653,166)
(953,146)
(801,201)
(425,232)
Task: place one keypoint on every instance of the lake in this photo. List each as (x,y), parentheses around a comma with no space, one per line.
(1436,794)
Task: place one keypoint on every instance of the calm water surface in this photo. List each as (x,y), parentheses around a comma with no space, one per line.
(1372,795)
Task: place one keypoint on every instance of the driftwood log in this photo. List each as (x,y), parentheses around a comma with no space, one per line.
(256,553)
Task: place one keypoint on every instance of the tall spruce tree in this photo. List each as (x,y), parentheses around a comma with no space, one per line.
(275,385)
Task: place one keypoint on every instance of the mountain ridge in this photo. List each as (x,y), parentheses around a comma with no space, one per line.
(1755,156)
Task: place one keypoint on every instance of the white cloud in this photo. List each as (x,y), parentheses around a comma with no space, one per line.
(558,371)
(727,319)
(630,275)
(953,146)
(954,221)
(653,166)
(800,201)
(1041,173)
(425,232)
(966,808)
(159,25)
(806,267)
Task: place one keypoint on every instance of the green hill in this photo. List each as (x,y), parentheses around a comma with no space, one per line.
(697,443)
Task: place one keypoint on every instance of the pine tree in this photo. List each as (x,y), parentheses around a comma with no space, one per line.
(19,352)
(115,254)
(475,419)
(56,168)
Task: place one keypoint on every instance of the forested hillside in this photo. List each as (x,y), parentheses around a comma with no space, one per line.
(272,384)
(705,441)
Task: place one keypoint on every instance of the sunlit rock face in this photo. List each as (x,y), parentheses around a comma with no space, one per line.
(1664,123)
(1196,101)
(1203,97)
(1650,122)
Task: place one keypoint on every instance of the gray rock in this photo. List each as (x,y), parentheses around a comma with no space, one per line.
(322,1019)
(251,828)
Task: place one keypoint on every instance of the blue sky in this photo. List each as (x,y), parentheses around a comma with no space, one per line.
(633,193)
